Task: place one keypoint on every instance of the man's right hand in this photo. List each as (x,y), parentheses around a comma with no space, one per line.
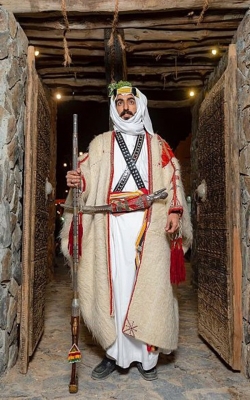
(73,178)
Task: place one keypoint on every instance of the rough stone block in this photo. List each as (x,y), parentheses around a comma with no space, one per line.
(14,74)
(6,258)
(19,213)
(3,20)
(14,199)
(3,129)
(17,98)
(23,43)
(5,231)
(5,66)
(4,36)
(18,177)
(4,182)
(12,313)
(11,129)
(13,221)
(13,288)
(13,353)
(12,25)
(4,302)
(20,157)
(246,122)
(12,149)
(16,269)
(246,303)
(2,338)
(246,329)
(20,125)
(17,238)
(11,186)
(13,336)
(247,359)
(244,161)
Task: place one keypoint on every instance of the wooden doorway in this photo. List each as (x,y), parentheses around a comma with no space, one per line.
(217,255)
(37,210)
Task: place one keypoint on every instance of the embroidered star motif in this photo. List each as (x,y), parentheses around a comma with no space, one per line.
(130,328)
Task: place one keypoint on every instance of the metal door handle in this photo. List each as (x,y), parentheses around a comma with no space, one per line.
(201,192)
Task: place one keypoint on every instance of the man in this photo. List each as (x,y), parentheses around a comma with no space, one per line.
(126,294)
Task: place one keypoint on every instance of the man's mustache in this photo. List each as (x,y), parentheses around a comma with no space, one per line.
(126,112)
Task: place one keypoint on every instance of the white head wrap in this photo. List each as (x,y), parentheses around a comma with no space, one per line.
(137,124)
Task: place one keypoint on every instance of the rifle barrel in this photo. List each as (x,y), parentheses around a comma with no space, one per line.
(75,309)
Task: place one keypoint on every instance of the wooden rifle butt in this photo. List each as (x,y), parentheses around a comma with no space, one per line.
(75,328)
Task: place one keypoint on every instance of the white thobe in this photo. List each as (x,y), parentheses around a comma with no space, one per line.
(124,230)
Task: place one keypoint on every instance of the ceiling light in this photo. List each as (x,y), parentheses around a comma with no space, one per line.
(191,93)
(65,164)
(36,53)
(214,52)
(58,96)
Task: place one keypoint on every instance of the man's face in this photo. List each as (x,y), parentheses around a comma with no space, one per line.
(125,105)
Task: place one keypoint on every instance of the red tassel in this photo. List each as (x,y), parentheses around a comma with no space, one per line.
(80,235)
(151,348)
(177,265)
(70,241)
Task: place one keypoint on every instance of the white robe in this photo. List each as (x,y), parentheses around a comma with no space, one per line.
(124,230)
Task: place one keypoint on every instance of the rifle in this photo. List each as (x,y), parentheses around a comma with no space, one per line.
(74,355)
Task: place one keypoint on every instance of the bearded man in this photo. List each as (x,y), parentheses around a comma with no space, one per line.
(129,263)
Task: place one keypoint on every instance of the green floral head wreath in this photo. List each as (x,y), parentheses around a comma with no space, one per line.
(115,86)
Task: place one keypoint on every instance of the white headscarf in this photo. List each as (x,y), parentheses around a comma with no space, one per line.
(137,124)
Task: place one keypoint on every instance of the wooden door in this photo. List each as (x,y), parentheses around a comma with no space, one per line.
(217,248)
(36,213)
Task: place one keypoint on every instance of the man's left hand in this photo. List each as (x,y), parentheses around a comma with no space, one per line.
(173,223)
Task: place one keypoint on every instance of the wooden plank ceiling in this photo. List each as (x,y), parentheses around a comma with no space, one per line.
(166,44)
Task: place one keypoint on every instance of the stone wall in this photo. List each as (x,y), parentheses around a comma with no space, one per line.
(13,50)
(243,77)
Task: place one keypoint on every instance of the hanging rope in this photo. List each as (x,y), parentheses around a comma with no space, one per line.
(111,43)
(114,24)
(202,14)
(67,58)
(176,67)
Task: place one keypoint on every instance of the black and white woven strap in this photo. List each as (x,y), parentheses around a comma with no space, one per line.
(130,161)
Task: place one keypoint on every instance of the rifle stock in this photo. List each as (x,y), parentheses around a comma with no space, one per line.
(74,353)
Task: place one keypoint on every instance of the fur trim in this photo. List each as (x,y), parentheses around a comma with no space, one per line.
(153,291)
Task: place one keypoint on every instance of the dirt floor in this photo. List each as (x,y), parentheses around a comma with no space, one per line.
(194,372)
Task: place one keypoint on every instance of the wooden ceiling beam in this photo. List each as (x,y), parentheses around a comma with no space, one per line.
(57,51)
(191,53)
(75,82)
(151,103)
(107,6)
(89,21)
(136,70)
(133,35)
(179,47)
(101,83)
(170,23)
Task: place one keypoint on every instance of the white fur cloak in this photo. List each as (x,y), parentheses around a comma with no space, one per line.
(152,316)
